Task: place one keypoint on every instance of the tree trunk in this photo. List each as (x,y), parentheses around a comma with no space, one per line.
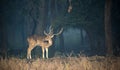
(108,33)
(42,23)
(38,13)
(82,41)
(51,9)
(91,40)
(91,37)
(3,41)
(61,40)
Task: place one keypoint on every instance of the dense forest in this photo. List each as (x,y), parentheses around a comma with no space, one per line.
(91,27)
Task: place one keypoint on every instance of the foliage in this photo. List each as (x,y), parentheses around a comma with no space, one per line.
(85,14)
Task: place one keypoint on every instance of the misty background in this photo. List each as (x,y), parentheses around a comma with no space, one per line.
(84,26)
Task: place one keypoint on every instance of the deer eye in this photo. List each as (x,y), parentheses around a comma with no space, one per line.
(45,41)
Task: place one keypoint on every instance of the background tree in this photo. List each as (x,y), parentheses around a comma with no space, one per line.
(108,33)
(22,18)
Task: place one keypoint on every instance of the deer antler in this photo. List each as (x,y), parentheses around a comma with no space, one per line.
(59,32)
(50,31)
(45,32)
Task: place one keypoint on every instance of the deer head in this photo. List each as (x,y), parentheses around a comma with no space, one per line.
(43,41)
(50,35)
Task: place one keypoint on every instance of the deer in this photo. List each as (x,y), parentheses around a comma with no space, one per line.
(43,41)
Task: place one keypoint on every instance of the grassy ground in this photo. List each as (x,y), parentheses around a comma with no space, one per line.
(62,63)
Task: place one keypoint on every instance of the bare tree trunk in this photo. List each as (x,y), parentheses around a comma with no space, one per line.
(3,41)
(82,41)
(38,14)
(42,19)
(91,40)
(56,7)
(61,40)
(91,37)
(51,16)
(108,33)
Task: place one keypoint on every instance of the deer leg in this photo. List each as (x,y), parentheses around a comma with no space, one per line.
(46,52)
(29,52)
(43,51)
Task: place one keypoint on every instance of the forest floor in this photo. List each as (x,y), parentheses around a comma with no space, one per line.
(62,63)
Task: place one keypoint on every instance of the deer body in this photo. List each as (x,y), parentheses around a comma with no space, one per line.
(40,41)
(43,41)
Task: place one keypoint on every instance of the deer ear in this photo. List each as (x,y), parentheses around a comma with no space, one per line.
(52,36)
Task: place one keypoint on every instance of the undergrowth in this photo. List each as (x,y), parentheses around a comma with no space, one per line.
(62,63)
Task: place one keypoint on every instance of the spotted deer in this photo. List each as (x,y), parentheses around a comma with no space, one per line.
(43,41)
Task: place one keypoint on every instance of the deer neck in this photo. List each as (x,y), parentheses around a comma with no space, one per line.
(50,41)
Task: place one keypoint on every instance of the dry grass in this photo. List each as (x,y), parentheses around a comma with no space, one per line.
(62,63)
